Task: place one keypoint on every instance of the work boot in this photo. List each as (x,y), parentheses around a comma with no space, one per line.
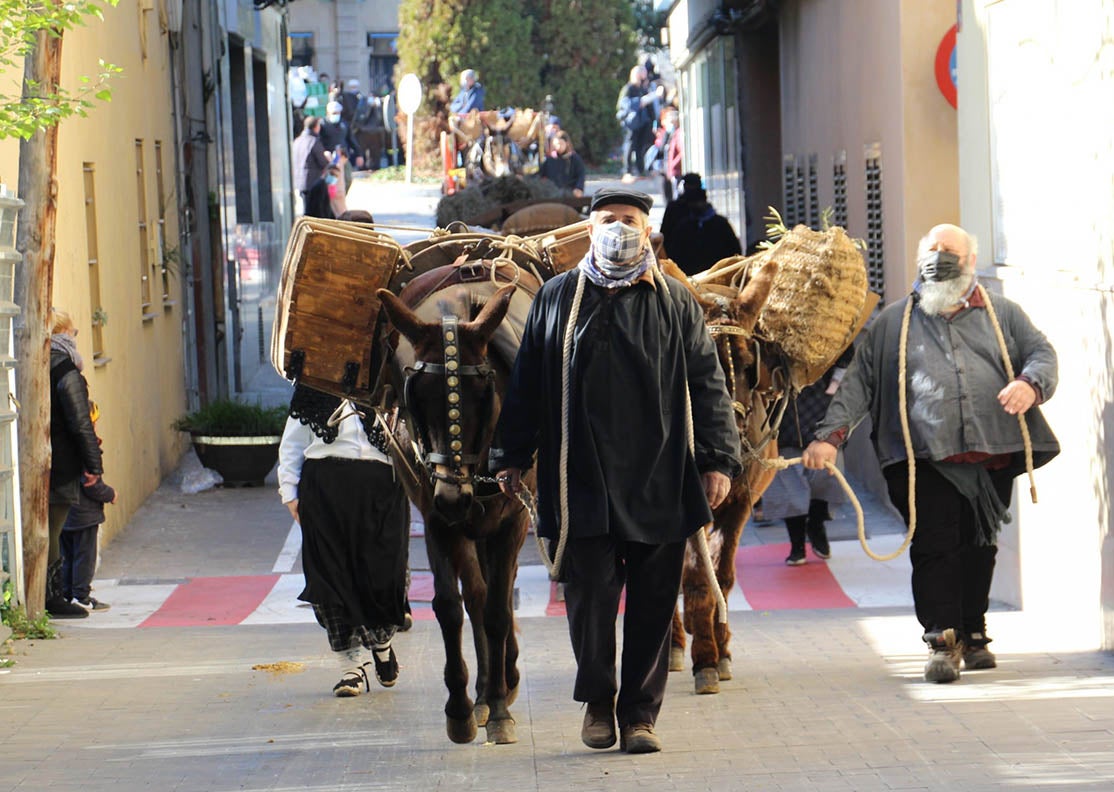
(976,655)
(598,730)
(943,663)
(638,738)
(796,528)
(817,533)
(56,605)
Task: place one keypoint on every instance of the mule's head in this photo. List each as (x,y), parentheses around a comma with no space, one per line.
(449,392)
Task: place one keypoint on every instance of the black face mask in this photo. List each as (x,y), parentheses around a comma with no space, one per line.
(939,265)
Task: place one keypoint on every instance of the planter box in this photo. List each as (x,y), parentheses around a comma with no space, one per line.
(241,461)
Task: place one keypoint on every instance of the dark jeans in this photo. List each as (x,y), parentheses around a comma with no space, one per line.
(951,574)
(594,572)
(635,143)
(79,562)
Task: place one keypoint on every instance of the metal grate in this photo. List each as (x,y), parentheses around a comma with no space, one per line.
(788,190)
(802,205)
(874,257)
(813,194)
(839,189)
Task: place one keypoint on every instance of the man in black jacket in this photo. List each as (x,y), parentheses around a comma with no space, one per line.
(75,452)
(633,487)
(695,235)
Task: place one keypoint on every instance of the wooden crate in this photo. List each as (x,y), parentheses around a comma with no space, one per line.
(324,332)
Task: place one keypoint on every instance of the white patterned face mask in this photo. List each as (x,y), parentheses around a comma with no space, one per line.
(616,245)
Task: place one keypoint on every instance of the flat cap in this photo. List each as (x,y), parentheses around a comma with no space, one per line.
(621,195)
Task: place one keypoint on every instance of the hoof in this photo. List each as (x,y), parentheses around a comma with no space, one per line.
(461,730)
(480,713)
(501,731)
(707,681)
(724,668)
(676,659)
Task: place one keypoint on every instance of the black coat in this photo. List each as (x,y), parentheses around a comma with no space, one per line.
(73,443)
(565,171)
(88,512)
(630,473)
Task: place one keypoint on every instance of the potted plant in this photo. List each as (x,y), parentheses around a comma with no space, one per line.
(238,440)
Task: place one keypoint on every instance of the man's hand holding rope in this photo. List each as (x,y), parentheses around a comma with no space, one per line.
(1017,397)
(819,455)
(509,481)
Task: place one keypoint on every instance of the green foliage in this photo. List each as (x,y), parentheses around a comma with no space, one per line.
(587,51)
(16,618)
(42,106)
(580,52)
(231,418)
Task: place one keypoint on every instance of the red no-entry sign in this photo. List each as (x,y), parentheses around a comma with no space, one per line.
(945,66)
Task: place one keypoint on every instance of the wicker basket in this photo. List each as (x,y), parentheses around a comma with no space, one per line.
(816,299)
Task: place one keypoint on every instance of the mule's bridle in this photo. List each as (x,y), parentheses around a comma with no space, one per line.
(452,370)
(773,422)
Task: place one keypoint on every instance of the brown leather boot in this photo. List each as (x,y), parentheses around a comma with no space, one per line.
(598,730)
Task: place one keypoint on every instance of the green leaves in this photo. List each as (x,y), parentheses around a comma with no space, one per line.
(39,106)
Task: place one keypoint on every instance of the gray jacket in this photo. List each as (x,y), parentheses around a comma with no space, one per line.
(954,374)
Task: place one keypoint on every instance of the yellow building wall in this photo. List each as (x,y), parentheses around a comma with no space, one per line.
(138,381)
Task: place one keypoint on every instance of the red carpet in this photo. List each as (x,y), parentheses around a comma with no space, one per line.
(769,584)
(212,601)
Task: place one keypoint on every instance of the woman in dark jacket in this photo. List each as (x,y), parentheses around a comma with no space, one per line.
(563,166)
(75,452)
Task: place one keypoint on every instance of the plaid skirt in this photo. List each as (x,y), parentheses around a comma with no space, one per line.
(355,549)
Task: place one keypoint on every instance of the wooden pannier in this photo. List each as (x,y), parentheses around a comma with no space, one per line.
(325,326)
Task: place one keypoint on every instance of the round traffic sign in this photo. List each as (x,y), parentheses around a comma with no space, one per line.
(409,94)
(945,67)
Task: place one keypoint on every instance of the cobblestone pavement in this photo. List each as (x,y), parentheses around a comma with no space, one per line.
(822,699)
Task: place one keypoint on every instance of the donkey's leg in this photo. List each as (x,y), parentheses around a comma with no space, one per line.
(444,553)
(474,590)
(500,564)
(700,616)
(677,642)
(730,519)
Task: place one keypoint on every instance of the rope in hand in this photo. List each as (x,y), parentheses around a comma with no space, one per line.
(780,463)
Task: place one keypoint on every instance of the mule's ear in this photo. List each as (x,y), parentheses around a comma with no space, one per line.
(492,313)
(405,320)
(748,305)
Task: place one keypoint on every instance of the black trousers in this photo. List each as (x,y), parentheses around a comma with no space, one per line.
(594,572)
(951,574)
(79,562)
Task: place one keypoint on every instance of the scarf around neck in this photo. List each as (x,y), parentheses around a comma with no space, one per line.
(610,276)
(64,342)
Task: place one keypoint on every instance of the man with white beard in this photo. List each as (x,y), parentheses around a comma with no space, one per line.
(962,411)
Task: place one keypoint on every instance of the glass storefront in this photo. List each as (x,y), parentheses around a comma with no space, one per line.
(710,118)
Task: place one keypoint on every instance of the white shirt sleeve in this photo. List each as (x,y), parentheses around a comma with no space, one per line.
(296,438)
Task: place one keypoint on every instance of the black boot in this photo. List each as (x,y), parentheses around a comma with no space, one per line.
(796,526)
(817,533)
(57,605)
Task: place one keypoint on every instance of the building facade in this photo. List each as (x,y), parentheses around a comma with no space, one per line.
(1036,184)
(347,40)
(174,201)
